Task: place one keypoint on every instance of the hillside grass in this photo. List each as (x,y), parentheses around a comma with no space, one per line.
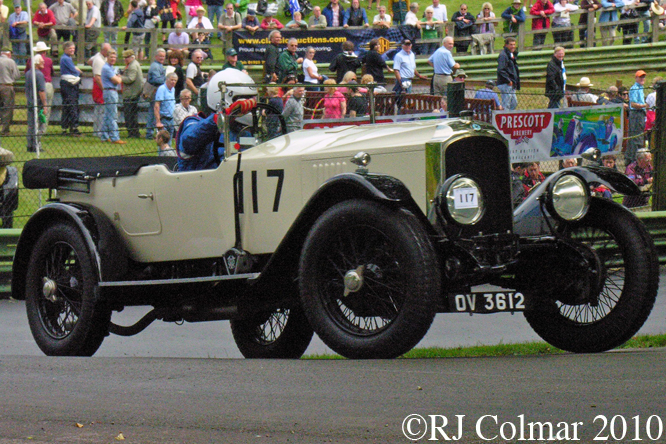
(521,349)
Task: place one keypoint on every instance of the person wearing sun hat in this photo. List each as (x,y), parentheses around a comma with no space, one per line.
(513,16)
(8,188)
(637,113)
(584,94)
(41,49)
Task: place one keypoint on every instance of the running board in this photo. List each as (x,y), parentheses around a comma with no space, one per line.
(180,281)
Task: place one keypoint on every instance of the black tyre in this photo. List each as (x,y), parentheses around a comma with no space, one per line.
(282,334)
(629,262)
(370,280)
(64,316)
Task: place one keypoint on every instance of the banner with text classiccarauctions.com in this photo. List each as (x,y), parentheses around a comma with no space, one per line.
(537,135)
(326,42)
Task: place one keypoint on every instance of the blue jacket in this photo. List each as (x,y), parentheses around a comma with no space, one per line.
(507,69)
(328,13)
(610,16)
(196,138)
(137,20)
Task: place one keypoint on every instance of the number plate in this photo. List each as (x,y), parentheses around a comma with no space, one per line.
(486,302)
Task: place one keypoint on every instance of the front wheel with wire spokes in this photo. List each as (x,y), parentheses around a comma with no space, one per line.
(629,268)
(64,315)
(369,279)
(281,334)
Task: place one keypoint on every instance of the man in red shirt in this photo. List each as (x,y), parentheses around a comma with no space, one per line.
(44,19)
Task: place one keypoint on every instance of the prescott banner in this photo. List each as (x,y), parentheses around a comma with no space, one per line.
(537,135)
(326,42)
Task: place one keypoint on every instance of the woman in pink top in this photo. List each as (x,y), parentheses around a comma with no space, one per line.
(335,105)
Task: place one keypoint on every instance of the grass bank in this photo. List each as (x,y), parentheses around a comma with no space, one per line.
(522,349)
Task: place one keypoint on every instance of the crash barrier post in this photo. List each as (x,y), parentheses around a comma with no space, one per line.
(655,221)
(659,151)
(8,240)
(455,98)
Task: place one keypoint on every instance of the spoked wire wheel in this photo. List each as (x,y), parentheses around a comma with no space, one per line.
(613,312)
(362,279)
(606,248)
(369,280)
(281,334)
(272,329)
(60,308)
(66,318)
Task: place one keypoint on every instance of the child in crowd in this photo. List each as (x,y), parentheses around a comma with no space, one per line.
(272,118)
(358,105)
(163,148)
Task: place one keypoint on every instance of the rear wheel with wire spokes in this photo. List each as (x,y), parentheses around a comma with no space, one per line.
(63,312)
(281,334)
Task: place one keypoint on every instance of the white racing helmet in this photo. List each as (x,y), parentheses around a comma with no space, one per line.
(229,75)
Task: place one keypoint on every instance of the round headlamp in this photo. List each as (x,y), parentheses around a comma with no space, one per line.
(569,198)
(464,200)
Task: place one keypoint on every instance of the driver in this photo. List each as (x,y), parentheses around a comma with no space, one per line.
(198,136)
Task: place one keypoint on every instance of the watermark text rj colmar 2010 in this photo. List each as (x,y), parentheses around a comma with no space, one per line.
(607,428)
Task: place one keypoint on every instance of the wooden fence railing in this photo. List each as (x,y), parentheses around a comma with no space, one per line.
(523,35)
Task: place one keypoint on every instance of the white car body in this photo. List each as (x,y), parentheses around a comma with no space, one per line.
(168,216)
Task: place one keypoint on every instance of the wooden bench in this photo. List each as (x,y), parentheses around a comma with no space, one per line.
(482,108)
(575,103)
(419,103)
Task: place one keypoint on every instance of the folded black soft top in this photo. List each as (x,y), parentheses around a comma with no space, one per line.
(43,173)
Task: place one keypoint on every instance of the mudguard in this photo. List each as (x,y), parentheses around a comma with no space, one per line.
(530,217)
(376,187)
(106,247)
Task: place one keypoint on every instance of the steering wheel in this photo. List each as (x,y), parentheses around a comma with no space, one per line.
(259,124)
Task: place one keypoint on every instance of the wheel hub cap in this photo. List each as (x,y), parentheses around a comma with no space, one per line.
(354,280)
(49,288)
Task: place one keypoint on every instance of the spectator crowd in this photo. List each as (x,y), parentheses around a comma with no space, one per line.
(176,80)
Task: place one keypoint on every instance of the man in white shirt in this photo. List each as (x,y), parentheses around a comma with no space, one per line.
(193,76)
(412,19)
(382,20)
(439,11)
(200,21)
(92,24)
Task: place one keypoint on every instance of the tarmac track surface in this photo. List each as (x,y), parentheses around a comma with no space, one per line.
(174,384)
(156,400)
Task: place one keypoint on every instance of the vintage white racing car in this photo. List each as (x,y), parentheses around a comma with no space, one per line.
(360,233)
